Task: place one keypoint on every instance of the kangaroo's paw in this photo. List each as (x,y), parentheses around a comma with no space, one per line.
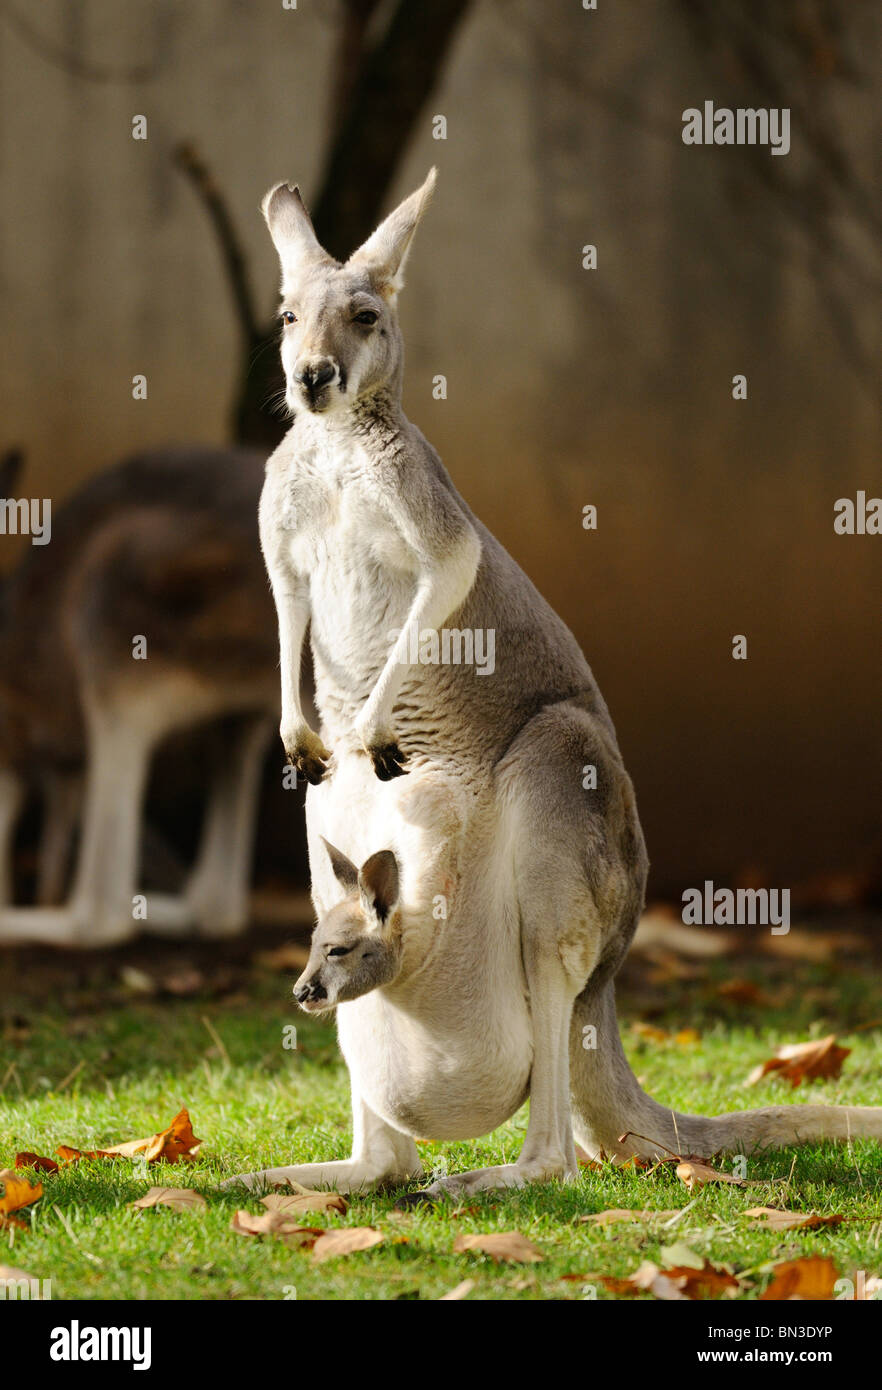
(307,754)
(503,1175)
(387,761)
(348,1175)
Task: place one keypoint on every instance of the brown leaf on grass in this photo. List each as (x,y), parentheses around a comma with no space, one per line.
(774,1219)
(346,1240)
(507,1246)
(179,1198)
(42,1165)
(177,1144)
(708,1282)
(649,1031)
(69,1155)
(742,992)
(615,1214)
(17,1193)
(697,1280)
(304,1199)
(461,1291)
(585,1161)
(694,1173)
(276,1223)
(796,1062)
(812,1277)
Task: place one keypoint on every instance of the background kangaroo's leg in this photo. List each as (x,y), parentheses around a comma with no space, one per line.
(381,1156)
(63,799)
(218,888)
(11,800)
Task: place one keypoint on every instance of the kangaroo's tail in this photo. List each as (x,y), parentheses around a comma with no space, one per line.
(608,1103)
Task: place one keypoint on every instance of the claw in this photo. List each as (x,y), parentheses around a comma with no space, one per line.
(416,1199)
(308,766)
(388,762)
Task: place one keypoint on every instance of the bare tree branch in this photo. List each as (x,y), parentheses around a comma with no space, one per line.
(60,57)
(190,162)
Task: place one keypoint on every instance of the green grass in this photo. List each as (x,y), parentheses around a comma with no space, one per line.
(254,1104)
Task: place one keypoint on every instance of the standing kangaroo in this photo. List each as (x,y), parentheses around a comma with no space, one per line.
(496,897)
(163,546)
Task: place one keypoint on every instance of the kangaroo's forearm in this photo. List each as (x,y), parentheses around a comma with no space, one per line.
(439,594)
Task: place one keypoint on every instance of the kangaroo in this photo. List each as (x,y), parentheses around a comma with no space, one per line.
(515,891)
(163,547)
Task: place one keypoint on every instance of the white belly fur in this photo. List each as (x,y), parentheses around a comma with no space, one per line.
(443,1053)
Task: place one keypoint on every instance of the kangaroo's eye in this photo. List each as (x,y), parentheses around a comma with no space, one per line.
(288,317)
(367,316)
(339,950)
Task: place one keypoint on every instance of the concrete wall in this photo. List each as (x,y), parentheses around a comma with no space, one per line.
(565,387)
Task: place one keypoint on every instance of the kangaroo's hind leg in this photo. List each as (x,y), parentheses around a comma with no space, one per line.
(12,795)
(217,890)
(569,879)
(381,1157)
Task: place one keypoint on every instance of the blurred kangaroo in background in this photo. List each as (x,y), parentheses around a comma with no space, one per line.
(497,894)
(162,547)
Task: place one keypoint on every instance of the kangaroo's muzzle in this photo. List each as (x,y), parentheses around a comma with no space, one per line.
(314,378)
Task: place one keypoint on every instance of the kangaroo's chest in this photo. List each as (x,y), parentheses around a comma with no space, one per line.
(337,528)
(360,572)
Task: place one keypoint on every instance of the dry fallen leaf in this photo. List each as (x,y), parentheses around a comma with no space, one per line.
(179,1198)
(304,1199)
(585,1161)
(177,1144)
(616,1214)
(812,1277)
(276,1223)
(345,1241)
(42,1165)
(804,1061)
(649,1031)
(742,992)
(461,1291)
(509,1246)
(17,1193)
(776,1220)
(697,1278)
(694,1173)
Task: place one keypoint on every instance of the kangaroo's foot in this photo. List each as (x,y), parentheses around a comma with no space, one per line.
(347,1175)
(502,1175)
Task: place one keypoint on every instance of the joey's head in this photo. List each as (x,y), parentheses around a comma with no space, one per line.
(340,335)
(357,946)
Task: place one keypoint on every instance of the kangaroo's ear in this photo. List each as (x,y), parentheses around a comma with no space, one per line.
(378,886)
(384,253)
(291,228)
(10,471)
(344,869)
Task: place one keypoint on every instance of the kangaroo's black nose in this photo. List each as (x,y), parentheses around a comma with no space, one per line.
(311,990)
(316,375)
